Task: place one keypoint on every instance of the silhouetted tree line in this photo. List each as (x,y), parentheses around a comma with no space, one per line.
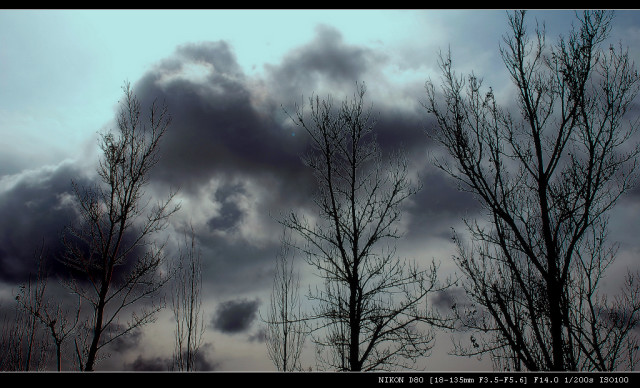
(547,171)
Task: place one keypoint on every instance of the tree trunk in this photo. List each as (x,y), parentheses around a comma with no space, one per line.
(555,316)
(97,331)
(354,326)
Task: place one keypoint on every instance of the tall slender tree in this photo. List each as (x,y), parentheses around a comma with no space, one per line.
(286,325)
(110,246)
(371,311)
(186,301)
(546,175)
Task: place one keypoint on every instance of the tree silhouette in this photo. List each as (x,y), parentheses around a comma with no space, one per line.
(58,322)
(22,347)
(370,310)
(286,332)
(110,247)
(186,301)
(546,180)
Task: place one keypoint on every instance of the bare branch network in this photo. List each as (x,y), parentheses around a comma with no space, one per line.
(547,180)
(110,248)
(372,309)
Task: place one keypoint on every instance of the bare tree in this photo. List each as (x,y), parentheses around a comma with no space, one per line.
(286,331)
(186,302)
(111,247)
(373,303)
(60,323)
(49,313)
(22,346)
(546,181)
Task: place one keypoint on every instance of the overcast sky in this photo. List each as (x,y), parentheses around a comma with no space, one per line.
(232,151)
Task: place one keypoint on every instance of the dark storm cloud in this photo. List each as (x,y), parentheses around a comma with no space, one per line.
(228,218)
(201,362)
(227,125)
(202,359)
(126,342)
(326,62)
(216,127)
(438,206)
(236,267)
(35,206)
(231,129)
(230,214)
(330,66)
(151,364)
(235,316)
(396,129)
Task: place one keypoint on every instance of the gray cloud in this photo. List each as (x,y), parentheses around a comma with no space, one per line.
(35,206)
(230,213)
(259,336)
(325,64)
(217,129)
(438,206)
(150,364)
(126,342)
(235,316)
(229,217)
(232,130)
(202,359)
(202,362)
(450,298)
